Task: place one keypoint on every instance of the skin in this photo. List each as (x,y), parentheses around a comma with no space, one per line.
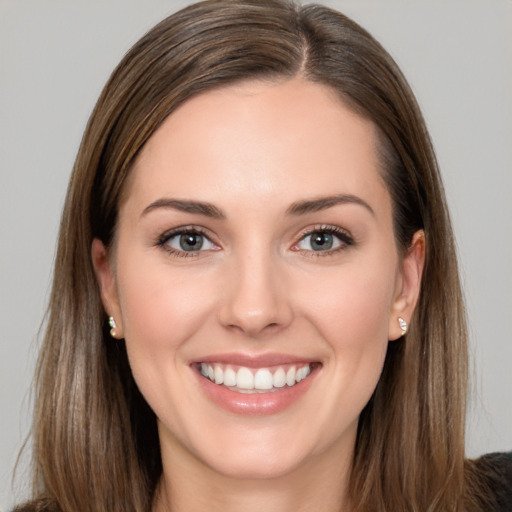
(253,150)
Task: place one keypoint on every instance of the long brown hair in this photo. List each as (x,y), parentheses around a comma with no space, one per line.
(95,441)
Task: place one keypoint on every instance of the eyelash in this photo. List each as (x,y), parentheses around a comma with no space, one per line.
(163,240)
(345,239)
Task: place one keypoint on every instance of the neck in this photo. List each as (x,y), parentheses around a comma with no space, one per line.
(188,485)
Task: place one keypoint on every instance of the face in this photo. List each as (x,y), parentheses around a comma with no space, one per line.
(255,277)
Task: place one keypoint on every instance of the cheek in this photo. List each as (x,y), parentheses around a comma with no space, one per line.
(161,312)
(351,313)
(161,309)
(356,326)
(351,304)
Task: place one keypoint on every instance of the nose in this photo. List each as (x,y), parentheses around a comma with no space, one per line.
(256,301)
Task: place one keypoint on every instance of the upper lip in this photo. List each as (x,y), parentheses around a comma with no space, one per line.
(254,360)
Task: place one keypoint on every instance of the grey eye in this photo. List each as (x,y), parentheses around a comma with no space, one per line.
(190,242)
(319,241)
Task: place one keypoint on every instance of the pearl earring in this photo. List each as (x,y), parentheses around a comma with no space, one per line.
(113,326)
(403,325)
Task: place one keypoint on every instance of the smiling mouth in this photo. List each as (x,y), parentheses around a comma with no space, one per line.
(242,379)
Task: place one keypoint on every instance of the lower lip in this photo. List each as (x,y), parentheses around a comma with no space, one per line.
(256,404)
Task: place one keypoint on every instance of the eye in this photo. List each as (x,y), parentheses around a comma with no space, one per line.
(325,239)
(186,242)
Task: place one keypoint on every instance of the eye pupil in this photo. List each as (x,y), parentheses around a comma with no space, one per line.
(191,241)
(321,241)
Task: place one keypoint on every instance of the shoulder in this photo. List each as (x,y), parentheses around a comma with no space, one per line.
(496,471)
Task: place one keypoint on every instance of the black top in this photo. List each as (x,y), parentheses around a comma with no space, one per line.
(497,469)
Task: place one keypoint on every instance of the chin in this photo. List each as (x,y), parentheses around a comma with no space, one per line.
(256,466)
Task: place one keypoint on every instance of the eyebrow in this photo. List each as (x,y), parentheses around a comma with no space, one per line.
(298,208)
(188,206)
(323,203)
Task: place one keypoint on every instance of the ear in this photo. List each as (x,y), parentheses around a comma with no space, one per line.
(107,283)
(408,285)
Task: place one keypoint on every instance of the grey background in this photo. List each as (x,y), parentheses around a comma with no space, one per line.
(55,56)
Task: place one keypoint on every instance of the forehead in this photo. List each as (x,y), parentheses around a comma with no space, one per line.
(259,141)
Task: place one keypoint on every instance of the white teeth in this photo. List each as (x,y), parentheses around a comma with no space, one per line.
(229,377)
(279,378)
(302,373)
(263,379)
(244,378)
(253,381)
(290,376)
(219,375)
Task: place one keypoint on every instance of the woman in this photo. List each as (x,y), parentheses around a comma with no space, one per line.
(256,299)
